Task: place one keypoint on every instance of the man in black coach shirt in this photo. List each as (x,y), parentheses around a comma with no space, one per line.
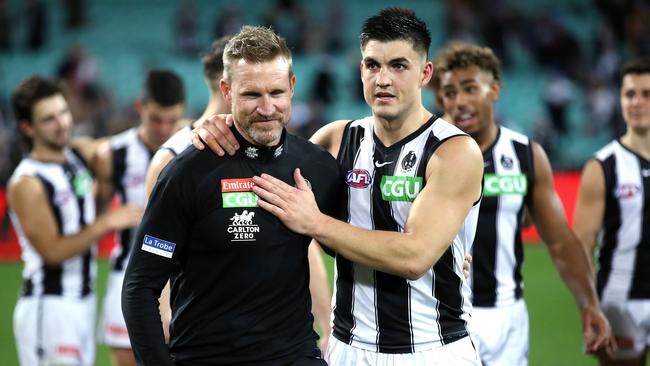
(239,277)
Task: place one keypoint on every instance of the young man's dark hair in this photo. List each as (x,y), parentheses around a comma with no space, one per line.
(163,87)
(636,66)
(394,24)
(459,55)
(213,62)
(28,93)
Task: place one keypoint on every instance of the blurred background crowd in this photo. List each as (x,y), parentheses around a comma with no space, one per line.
(561,58)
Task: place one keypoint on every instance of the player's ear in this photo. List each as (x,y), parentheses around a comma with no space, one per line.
(225,90)
(495,89)
(26,128)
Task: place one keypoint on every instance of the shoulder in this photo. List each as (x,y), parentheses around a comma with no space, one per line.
(512,135)
(124,138)
(607,151)
(21,186)
(305,149)
(179,140)
(193,165)
(458,151)
(330,136)
(309,155)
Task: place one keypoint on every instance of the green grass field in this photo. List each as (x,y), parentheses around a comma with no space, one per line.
(555,337)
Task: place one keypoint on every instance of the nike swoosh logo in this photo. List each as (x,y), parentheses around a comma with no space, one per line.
(645,173)
(379,165)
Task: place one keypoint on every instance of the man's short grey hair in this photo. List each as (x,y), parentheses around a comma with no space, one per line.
(256,45)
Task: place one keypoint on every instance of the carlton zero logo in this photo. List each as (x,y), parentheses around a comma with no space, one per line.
(238,193)
(395,188)
(157,246)
(497,185)
(242,227)
(358,178)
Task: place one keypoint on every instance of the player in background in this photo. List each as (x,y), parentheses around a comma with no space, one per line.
(517,178)
(612,215)
(52,207)
(121,164)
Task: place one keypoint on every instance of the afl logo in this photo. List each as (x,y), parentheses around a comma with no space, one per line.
(409,161)
(358,178)
(626,191)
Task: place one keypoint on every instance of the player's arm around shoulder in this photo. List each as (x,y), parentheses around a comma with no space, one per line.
(590,206)
(454,176)
(330,136)
(159,161)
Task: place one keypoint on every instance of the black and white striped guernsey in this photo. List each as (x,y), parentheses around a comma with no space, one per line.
(68,187)
(382,312)
(624,241)
(130,163)
(508,179)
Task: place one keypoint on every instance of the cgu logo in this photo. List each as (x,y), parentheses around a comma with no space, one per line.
(626,191)
(239,199)
(400,188)
(496,185)
(358,178)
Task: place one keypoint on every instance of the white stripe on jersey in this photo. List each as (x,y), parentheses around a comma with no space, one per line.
(64,201)
(628,236)
(179,141)
(423,313)
(130,153)
(505,161)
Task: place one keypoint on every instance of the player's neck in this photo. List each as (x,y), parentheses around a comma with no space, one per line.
(392,131)
(486,138)
(46,154)
(639,143)
(143,137)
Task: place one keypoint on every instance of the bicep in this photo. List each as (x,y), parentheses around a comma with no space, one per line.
(547,209)
(27,196)
(590,206)
(160,238)
(454,176)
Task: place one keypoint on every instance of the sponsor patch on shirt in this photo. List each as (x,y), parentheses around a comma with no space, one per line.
(158,246)
(238,193)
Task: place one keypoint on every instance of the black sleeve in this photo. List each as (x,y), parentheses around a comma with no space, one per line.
(331,187)
(157,246)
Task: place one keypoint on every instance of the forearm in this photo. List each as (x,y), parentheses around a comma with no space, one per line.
(66,247)
(402,254)
(142,317)
(319,288)
(575,269)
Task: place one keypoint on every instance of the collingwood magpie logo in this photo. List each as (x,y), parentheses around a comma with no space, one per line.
(409,161)
(506,162)
(242,227)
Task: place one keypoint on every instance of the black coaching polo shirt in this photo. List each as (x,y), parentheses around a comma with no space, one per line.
(239,277)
